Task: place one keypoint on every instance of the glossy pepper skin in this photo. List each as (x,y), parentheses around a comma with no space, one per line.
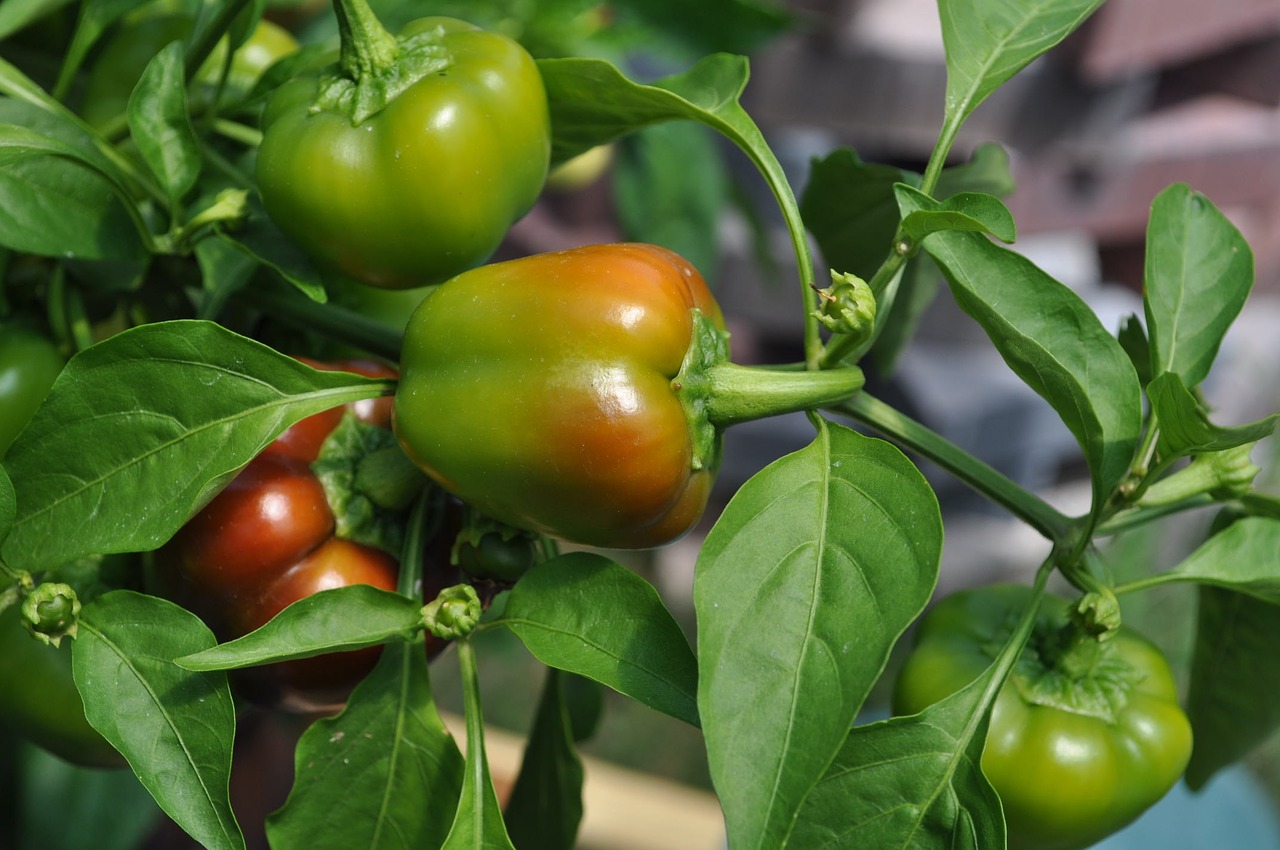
(1069,769)
(427,186)
(267,540)
(539,391)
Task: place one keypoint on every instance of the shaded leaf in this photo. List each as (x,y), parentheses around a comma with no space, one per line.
(545,807)
(1185,426)
(585,614)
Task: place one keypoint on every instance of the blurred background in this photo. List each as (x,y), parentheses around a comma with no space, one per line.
(1147,93)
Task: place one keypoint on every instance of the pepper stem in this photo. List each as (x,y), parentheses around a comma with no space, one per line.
(367,49)
(742,393)
(717,393)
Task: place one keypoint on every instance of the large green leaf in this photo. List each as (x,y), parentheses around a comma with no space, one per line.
(1234,697)
(850,208)
(142,429)
(175,727)
(1199,271)
(909,782)
(586,614)
(809,577)
(1055,343)
(384,774)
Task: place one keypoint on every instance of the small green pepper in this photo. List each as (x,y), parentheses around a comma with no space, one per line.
(406,162)
(1084,736)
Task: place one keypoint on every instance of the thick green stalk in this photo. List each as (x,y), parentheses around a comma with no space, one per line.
(737,393)
(367,49)
(1022,503)
(341,324)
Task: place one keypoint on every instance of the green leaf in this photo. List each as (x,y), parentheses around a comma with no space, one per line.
(1133,339)
(174,726)
(545,807)
(94,19)
(160,125)
(224,270)
(592,103)
(261,239)
(384,774)
(1199,271)
(711,26)
(57,193)
(585,614)
(850,208)
(1185,425)
(340,619)
(975,212)
(987,171)
(670,189)
(987,42)
(1234,697)
(909,782)
(1052,340)
(809,577)
(142,429)
(16,14)
(1244,557)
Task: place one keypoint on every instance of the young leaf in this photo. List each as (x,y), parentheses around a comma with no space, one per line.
(585,614)
(142,429)
(809,577)
(383,774)
(1199,271)
(1185,426)
(340,619)
(94,19)
(478,823)
(1055,343)
(976,212)
(987,42)
(174,726)
(545,807)
(160,125)
(909,782)
(1244,557)
(1234,697)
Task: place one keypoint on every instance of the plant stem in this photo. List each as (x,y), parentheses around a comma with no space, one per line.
(367,48)
(1135,517)
(1022,503)
(330,319)
(207,39)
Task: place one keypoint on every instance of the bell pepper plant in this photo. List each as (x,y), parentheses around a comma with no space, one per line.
(214,505)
